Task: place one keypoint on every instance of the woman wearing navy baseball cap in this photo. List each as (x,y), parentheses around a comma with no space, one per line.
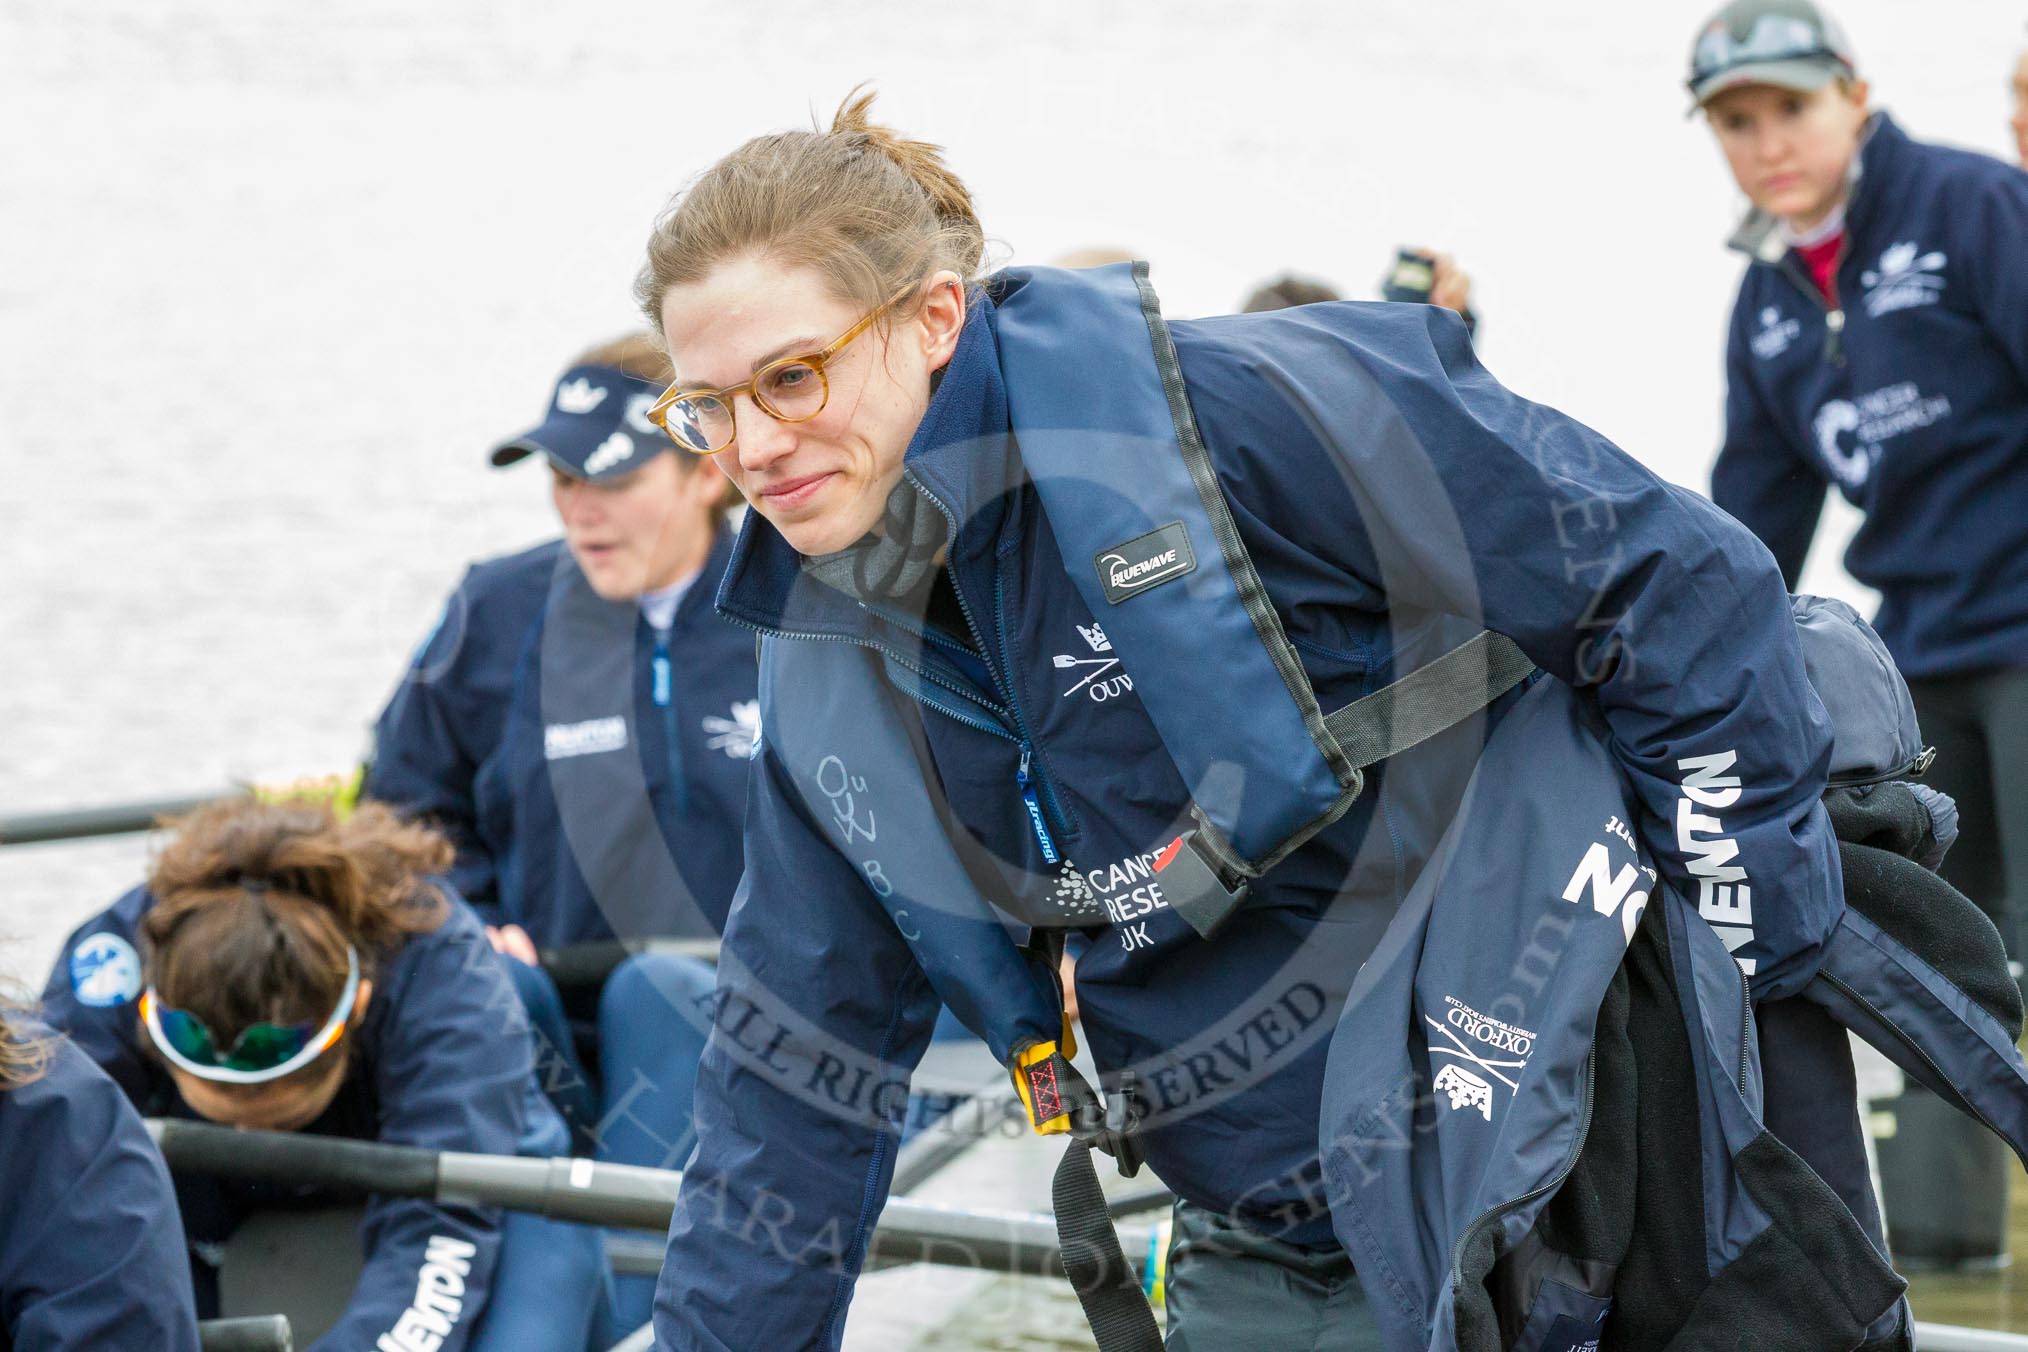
(579,725)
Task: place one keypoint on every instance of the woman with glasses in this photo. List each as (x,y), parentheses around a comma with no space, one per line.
(285,970)
(837,350)
(1878,346)
(90,1250)
(579,724)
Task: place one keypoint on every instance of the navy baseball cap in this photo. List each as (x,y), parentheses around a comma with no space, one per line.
(597,427)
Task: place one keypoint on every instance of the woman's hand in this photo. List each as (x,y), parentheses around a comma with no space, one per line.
(514,942)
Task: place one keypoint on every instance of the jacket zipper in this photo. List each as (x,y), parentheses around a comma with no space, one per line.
(1028,799)
(663,690)
(1466,1236)
(1834,319)
(1746,1033)
(1024,778)
(1912,1045)
(966,691)
(1040,780)
(1915,767)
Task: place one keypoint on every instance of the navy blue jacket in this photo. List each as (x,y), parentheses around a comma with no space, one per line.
(1532,1144)
(90,1254)
(1664,609)
(1917,411)
(445,717)
(443,1060)
(543,747)
(615,798)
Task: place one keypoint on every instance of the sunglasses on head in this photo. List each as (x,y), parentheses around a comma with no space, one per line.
(1771,37)
(264,1052)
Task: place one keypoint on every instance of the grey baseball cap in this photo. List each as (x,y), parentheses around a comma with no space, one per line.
(1790,43)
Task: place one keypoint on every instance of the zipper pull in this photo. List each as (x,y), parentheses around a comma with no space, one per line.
(1834,325)
(662,688)
(1034,806)
(664,679)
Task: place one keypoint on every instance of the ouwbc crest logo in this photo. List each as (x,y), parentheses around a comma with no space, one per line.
(1144,562)
(1905,279)
(1775,334)
(1098,678)
(736,734)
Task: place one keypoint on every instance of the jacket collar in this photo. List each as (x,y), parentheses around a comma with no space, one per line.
(696,603)
(1760,236)
(962,456)
(693,609)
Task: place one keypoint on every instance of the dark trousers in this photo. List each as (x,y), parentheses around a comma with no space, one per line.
(1229,1287)
(1979,727)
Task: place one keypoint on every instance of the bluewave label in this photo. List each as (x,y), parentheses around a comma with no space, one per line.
(1162,555)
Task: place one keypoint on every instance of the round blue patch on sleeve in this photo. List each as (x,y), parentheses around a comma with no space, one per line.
(105,971)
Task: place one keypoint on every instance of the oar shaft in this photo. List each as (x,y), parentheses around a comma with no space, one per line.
(293,1157)
(86,823)
(267,1333)
(594,1193)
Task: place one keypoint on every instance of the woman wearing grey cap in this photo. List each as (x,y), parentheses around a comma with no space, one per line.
(1878,345)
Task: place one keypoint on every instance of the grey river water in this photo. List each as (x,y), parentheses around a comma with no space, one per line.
(272,279)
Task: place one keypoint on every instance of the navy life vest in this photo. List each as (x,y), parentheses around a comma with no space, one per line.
(1127,484)
(1112,447)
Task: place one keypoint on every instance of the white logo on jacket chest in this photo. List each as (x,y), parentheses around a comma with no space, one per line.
(1905,278)
(738,733)
(1072,893)
(561,741)
(1099,676)
(1775,334)
(1869,421)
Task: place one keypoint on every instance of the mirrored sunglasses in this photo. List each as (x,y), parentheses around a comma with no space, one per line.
(263,1052)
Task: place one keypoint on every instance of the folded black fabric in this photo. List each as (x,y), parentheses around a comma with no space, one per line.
(1936,922)
(1911,820)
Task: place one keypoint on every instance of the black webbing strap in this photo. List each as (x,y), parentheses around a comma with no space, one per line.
(1429,699)
(1120,1317)
(1205,889)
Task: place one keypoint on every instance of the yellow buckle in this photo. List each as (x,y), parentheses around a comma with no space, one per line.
(1029,1087)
